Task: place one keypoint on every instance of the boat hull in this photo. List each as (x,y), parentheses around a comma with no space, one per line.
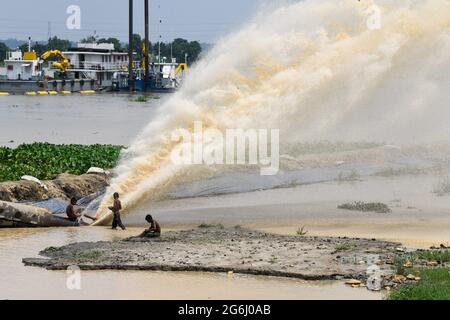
(23,86)
(13,215)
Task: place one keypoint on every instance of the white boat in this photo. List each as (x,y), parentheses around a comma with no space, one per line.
(98,62)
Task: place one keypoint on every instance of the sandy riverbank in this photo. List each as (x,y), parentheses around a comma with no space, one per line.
(217,249)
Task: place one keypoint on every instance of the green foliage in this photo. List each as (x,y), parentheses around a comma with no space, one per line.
(115,41)
(302,231)
(58,44)
(441,256)
(89,39)
(141,99)
(434,285)
(53,43)
(178,48)
(346,246)
(3,49)
(89,255)
(45,161)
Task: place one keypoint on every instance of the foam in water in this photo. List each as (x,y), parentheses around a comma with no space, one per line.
(316,71)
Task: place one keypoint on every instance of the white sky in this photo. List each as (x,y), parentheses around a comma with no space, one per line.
(203,20)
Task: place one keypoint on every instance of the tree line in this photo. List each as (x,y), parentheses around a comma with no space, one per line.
(180,49)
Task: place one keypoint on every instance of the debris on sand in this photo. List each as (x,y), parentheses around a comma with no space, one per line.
(376,207)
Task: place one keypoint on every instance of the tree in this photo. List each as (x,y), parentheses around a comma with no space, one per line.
(115,41)
(181,47)
(58,44)
(52,44)
(40,48)
(3,49)
(89,39)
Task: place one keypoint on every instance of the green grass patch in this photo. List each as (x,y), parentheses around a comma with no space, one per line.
(346,246)
(45,161)
(434,285)
(441,256)
(89,255)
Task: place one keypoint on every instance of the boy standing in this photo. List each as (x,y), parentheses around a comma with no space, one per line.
(117,221)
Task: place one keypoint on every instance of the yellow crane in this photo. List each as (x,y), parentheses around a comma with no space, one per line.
(63,64)
(181,66)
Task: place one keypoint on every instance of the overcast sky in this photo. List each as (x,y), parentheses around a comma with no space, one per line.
(203,20)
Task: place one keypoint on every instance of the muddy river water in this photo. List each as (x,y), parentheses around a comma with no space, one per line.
(419,218)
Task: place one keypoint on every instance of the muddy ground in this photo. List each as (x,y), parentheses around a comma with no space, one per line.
(216,249)
(64,186)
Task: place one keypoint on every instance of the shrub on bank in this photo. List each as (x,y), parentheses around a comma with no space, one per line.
(45,161)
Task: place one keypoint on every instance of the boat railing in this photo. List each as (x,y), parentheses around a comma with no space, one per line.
(100,66)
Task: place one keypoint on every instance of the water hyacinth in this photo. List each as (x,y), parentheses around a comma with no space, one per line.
(44,161)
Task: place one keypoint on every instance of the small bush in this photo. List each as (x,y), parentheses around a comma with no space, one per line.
(302,231)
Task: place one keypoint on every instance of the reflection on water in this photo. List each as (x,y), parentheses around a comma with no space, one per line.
(20,282)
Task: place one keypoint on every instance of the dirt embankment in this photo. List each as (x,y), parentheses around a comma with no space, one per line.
(65,186)
(224,250)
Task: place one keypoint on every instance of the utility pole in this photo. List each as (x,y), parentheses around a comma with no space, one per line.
(49,30)
(130,48)
(159,37)
(147,44)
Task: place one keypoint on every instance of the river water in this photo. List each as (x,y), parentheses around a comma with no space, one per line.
(114,119)
(100,118)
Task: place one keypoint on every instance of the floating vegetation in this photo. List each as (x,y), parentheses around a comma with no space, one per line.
(146,98)
(442,188)
(366,207)
(45,161)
